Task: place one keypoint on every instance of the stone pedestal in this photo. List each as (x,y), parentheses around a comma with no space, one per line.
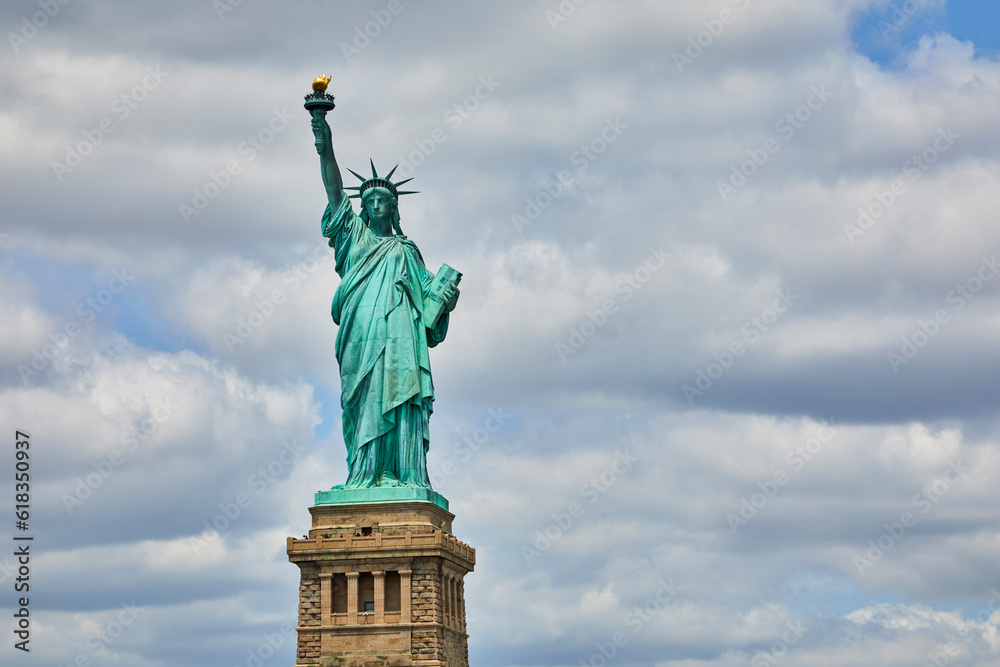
(382,586)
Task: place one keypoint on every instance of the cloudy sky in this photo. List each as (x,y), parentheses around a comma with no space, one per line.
(721,388)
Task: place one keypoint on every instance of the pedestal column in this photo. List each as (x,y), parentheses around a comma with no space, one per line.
(449,599)
(325,598)
(379,596)
(405,594)
(352,598)
(461,606)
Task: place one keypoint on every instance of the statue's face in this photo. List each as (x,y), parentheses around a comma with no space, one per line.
(379,206)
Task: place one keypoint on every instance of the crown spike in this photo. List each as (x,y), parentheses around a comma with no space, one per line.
(407,192)
(362,178)
(403,181)
(388,176)
(374,173)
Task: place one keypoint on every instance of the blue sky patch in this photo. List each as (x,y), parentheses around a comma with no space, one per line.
(886,32)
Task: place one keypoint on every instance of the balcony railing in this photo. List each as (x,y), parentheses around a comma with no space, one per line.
(378,542)
(367,618)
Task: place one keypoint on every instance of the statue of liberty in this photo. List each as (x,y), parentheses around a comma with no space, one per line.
(389,309)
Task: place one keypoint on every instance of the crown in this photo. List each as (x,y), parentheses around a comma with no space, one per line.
(377,181)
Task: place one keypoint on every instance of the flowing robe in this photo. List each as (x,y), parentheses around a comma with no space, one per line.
(387,394)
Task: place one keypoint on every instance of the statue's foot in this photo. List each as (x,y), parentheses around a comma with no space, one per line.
(389,480)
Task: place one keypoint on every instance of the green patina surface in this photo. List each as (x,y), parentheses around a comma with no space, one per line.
(386,312)
(380,495)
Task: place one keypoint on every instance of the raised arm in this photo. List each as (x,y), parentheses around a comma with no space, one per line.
(328,163)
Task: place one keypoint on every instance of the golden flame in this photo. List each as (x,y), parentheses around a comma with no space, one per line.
(321,82)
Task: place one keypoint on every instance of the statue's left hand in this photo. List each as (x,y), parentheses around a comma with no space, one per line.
(450,299)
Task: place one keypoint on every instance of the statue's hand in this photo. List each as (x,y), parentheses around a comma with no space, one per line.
(450,299)
(321,130)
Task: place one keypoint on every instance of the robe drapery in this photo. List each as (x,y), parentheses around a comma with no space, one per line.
(387,394)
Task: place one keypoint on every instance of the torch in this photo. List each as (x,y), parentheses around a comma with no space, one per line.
(319,102)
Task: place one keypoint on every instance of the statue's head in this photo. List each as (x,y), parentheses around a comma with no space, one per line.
(377,193)
(378,203)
